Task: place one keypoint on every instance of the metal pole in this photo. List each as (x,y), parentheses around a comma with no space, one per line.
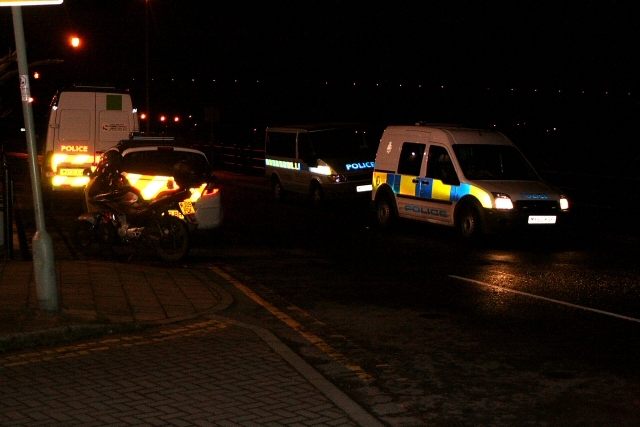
(146,16)
(43,262)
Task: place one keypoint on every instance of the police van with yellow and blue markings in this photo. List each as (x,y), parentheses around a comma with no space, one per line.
(475,180)
(321,160)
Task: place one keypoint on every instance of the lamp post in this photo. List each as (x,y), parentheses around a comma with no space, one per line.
(44,265)
(146,57)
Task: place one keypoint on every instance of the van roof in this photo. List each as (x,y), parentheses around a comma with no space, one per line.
(94,88)
(457,134)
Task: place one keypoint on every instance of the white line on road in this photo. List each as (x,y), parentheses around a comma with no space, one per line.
(568,304)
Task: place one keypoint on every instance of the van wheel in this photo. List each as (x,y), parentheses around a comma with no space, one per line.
(278,191)
(385,211)
(469,224)
(317,195)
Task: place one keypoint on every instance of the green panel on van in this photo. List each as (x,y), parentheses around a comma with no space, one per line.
(114,102)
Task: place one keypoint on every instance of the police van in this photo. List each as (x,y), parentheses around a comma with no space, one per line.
(84,121)
(474,180)
(322,161)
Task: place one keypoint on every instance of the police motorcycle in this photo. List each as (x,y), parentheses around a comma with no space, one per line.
(118,219)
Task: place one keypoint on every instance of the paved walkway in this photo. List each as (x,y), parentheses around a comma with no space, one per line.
(195,368)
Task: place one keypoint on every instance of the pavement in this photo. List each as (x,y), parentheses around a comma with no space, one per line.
(219,372)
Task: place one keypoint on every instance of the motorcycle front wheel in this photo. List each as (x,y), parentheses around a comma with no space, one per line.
(85,237)
(172,242)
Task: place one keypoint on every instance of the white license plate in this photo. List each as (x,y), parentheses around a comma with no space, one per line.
(71,172)
(542,219)
(363,188)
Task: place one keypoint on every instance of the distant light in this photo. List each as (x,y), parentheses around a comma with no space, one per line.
(75,41)
(36,75)
(176,119)
(163,118)
(143,116)
(30,99)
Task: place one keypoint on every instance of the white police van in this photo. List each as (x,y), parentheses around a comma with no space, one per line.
(84,122)
(474,180)
(323,161)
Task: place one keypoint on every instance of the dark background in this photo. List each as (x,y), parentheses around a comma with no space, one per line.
(559,77)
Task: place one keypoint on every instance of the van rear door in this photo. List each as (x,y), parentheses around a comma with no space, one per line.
(115,120)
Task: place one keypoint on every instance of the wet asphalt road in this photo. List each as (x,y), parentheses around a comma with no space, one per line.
(435,322)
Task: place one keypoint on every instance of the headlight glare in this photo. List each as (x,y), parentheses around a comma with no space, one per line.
(502,201)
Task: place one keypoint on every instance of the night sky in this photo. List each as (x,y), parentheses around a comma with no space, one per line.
(283,55)
(453,42)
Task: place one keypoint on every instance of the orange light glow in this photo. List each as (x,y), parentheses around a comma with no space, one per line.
(75,41)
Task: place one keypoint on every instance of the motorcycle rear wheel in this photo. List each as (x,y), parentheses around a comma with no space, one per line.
(173,239)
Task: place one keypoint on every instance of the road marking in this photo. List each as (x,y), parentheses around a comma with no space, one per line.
(107,344)
(292,323)
(555,301)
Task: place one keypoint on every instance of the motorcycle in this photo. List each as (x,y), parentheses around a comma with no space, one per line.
(124,218)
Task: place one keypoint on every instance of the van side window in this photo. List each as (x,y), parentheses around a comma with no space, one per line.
(281,144)
(411,157)
(305,149)
(439,166)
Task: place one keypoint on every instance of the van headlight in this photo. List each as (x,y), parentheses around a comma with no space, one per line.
(502,201)
(564,203)
(322,170)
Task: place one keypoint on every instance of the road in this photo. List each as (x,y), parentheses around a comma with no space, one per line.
(537,330)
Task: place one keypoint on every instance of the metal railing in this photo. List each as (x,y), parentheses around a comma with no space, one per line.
(237,158)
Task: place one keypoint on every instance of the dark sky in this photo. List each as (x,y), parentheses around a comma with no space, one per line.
(455,41)
(293,47)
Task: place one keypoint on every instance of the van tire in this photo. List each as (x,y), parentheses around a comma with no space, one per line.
(317,195)
(468,223)
(278,191)
(385,211)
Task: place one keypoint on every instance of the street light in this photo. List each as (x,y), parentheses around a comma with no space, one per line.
(74,41)
(146,16)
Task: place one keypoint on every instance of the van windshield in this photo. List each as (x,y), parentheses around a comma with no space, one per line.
(340,143)
(493,162)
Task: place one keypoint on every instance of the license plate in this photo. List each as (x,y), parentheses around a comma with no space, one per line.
(542,219)
(71,172)
(363,188)
(187,208)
